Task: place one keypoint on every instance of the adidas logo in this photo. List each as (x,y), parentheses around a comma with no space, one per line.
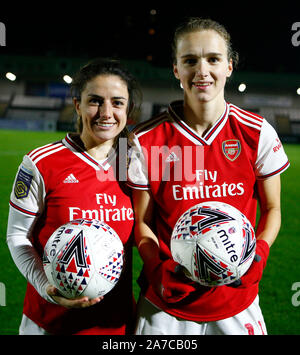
(71,179)
(172,157)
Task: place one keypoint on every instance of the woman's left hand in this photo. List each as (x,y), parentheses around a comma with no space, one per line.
(81,302)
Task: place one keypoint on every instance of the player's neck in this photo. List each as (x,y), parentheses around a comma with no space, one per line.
(98,151)
(201,116)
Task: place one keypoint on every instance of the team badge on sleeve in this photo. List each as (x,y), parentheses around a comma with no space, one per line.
(22,184)
(231,149)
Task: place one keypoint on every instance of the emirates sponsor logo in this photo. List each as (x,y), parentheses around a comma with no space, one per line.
(108,210)
(200,191)
(206,187)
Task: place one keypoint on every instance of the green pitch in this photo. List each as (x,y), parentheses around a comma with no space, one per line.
(281,273)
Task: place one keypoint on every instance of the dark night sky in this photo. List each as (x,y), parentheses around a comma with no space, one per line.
(260,33)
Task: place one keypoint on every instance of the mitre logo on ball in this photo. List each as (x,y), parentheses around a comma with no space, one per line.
(215,242)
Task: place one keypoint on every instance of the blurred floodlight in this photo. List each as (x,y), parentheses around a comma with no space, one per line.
(242,87)
(298,91)
(10,76)
(67,79)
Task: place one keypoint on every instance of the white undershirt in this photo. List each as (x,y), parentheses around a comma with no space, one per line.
(23,252)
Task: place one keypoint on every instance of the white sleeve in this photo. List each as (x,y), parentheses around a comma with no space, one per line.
(23,253)
(137,170)
(271,158)
(28,192)
(23,214)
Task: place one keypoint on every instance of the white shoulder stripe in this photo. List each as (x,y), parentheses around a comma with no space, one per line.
(46,152)
(34,151)
(250,114)
(43,149)
(247,113)
(247,123)
(246,118)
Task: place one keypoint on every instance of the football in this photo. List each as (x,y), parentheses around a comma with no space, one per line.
(83,257)
(215,243)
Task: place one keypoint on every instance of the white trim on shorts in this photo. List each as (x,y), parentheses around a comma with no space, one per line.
(154,321)
(28,327)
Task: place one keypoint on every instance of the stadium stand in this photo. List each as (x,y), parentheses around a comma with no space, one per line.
(39,99)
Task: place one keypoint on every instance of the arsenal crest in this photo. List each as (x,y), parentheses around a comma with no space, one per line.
(231,149)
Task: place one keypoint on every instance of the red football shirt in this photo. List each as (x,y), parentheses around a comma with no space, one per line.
(183,169)
(61,182)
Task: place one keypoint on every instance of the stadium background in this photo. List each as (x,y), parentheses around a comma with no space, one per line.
(45,44)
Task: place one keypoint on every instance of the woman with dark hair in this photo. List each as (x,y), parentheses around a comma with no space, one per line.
(77,177)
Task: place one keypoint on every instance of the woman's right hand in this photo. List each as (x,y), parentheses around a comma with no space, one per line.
(81,302)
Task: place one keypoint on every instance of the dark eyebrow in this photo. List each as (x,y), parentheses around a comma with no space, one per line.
(214,54)
(210,54)
(100,97)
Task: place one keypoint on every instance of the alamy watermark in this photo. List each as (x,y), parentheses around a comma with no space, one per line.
(173,163)
(296,36)
(2,35)
(2,295)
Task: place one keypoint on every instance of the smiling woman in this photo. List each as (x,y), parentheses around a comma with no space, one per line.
(240,167)
(203,70)
(104,96)
(102,67)
(103,110)
(63,180)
